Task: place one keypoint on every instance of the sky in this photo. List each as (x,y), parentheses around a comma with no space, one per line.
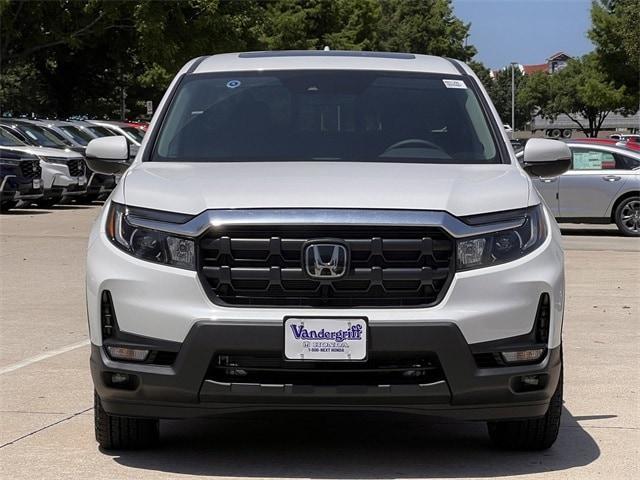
(525,31)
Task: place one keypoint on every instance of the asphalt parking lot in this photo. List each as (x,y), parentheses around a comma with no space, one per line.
(46,416)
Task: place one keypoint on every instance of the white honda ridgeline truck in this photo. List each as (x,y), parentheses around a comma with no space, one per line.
(326,229)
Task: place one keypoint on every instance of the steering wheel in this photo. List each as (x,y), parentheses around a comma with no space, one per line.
(413,142)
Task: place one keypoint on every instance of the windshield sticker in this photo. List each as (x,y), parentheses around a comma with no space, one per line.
(454,83)
(233,83)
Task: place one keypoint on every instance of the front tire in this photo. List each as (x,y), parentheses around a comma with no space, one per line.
(47,202)
(123,433)
(7,205)
(530,434)
(627,217)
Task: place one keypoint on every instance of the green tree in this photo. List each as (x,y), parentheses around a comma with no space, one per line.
(500,92)
(582,91)
(169,33)
(424,26)
(482,72)
(74,56)
(314,24)
(64,57)
(615,32)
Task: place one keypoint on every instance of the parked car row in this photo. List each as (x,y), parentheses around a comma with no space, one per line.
(602,186)
(58,148)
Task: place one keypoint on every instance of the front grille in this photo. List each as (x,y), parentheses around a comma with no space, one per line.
(76,167)
(31,168)
(388,267)
(382,369)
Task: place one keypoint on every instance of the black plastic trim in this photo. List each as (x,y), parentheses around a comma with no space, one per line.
(496,217)
(181,390)
(327,53)
(196,63)
(159,215)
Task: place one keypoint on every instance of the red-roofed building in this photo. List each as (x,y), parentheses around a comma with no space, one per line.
(530,69)
(555,63)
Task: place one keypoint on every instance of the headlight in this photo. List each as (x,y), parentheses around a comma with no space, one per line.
(505,246)
(151,245)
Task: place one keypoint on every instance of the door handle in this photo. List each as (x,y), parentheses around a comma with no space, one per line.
(611,178)
(548,180)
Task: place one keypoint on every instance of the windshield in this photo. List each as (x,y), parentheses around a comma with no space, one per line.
(79,136)
(326,115)
(136,133)
(101,131)
(9,140)
(40,136)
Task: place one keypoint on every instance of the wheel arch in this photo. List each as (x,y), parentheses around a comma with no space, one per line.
(619,200)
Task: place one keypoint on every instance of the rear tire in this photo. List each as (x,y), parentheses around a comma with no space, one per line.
(555,133)
(530,434)
(627,217)
(566,133)
(123,433)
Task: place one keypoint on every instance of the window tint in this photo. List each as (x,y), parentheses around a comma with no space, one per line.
(40,136)
(101,131)
(325,116)
(81,137)
(136,133)
(627,163)
(9,140)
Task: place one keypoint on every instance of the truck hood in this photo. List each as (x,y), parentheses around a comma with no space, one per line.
(194,187)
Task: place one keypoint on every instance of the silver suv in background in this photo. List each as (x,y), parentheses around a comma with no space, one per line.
(601,187)
(133,135)
(20,177)
(63,170)
(98,184)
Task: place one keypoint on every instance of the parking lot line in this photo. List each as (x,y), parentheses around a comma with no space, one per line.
(43,356)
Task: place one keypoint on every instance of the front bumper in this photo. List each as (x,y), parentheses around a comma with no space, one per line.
(186,388)
(99,184)
(74,190)
(15,188)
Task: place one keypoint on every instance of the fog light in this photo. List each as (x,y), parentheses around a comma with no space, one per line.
(531,380)
(128,354)
(523,356)
(118,378)
(529,383)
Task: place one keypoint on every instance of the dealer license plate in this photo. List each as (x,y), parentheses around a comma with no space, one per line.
(325,339)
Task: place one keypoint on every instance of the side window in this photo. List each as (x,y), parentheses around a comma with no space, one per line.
(584,159)
(627,163)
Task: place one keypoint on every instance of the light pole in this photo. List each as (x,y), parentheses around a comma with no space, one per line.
(513,99)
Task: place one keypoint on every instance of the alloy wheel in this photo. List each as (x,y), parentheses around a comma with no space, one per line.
(630,216)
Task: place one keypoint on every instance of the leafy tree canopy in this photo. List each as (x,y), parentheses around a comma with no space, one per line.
(500,92)
(615,32)
(69,57)
(582,89)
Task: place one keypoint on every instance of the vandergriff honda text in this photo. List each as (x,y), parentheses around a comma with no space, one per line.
(335,230)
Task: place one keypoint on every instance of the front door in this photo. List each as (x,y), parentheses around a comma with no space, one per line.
(587,190)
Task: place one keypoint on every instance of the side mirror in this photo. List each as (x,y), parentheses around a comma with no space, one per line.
(546,158)
(108,155)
